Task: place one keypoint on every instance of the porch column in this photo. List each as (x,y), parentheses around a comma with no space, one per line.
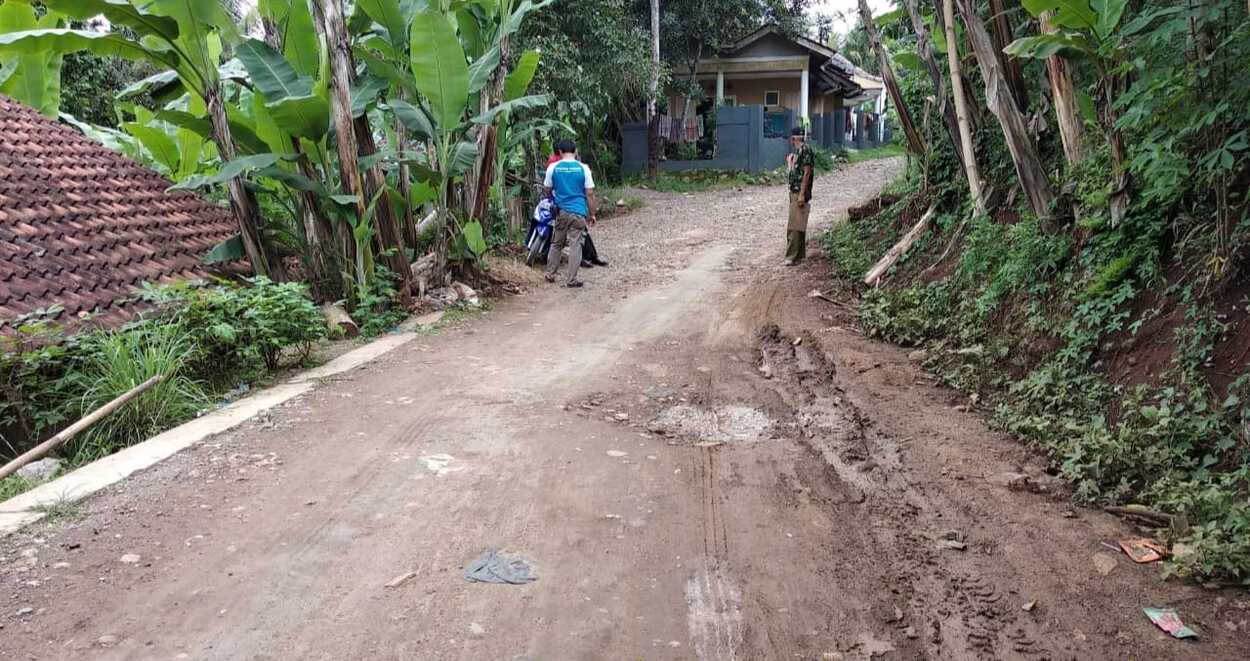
(720,87)
(803,94)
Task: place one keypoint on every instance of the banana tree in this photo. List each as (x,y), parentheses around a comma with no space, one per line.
(1092,31)
(444,79)
(32,77)
(184,36)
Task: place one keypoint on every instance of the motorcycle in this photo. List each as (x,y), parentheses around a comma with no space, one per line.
(541,227)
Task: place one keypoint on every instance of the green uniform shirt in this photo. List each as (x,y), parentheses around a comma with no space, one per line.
(804,159)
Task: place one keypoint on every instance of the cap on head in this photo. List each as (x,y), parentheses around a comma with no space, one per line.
(798,132)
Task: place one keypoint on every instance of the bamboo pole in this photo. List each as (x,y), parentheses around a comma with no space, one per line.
(71,431)
(971,171)
(896,253)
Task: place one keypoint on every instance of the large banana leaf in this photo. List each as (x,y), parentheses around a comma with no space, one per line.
(119,13)
(532,101)
(1074,14)
(158,84)
(521,132)
(190,147)
(482,68)
(393,17)
(158,143)
(289,96)
(522,11)
(294,180)
(32,77)
(232,169)
(303,116)
(439,68)
(383,68)
(518,81)
(245,139)
(294,25)
(463,156)
(365,93)
(413,118)
(64,40)
(271,73)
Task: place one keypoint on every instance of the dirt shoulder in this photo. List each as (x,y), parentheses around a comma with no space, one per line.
(697,459)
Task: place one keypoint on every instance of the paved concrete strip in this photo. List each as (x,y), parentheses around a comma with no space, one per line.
(24,509)
(355,358)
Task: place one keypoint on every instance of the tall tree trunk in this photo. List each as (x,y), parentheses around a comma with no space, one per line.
(914,141)
(395,257)
(478,187)
(653,128)
(241,202)
(971,171)
(409,229)
(971,110)
(1113,85)
(924,46)
(348,134)
(1062,90)
(1023,152)
(1011,66)
(325,279)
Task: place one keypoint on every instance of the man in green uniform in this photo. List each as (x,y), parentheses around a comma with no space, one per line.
(802,170)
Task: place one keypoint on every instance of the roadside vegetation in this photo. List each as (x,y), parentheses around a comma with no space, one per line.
(209,342)
(1097,311)
(695,181)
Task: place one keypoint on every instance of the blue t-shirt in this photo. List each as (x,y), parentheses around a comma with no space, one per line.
(569,179)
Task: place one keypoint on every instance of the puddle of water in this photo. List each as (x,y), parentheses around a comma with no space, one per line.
(724,423)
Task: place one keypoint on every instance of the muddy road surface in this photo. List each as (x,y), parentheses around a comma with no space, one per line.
(697,460)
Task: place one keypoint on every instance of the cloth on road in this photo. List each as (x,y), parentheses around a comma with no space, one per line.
(493,567)
(570,228)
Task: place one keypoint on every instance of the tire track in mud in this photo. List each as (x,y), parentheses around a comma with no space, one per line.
(954,611)
(713,600)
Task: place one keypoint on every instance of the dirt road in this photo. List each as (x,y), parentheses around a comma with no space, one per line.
(699,461)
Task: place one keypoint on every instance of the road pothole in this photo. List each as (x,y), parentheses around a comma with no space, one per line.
(725,424)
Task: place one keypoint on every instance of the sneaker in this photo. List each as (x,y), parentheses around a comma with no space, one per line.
(575,284)
(549,278)
(788,262)
(587,264)
(601,262)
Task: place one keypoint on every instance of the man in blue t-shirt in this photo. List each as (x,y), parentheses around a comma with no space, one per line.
(569,181)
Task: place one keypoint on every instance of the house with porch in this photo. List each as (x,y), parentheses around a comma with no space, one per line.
(758,89)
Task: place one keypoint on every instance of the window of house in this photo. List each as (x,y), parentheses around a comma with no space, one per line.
(772,98)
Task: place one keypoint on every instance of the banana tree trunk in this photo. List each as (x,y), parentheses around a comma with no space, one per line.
(479,185)
(392,246)
(324,275)
(1063,93)
(1011,66)
(653,127)
(914,141)
(971,171)
(1113,85)
(408,221)
(349,134)
(924,46)
(241,202)
(1024,155)
(324,278)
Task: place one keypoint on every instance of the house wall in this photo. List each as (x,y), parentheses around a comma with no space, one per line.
(751,92)
(770,45)
(741,144)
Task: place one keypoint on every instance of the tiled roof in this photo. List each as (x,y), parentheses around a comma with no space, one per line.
(81,226)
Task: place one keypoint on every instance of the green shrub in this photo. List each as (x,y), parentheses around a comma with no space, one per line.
(117,361)
(377,305)
(241,330)
(907,316)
